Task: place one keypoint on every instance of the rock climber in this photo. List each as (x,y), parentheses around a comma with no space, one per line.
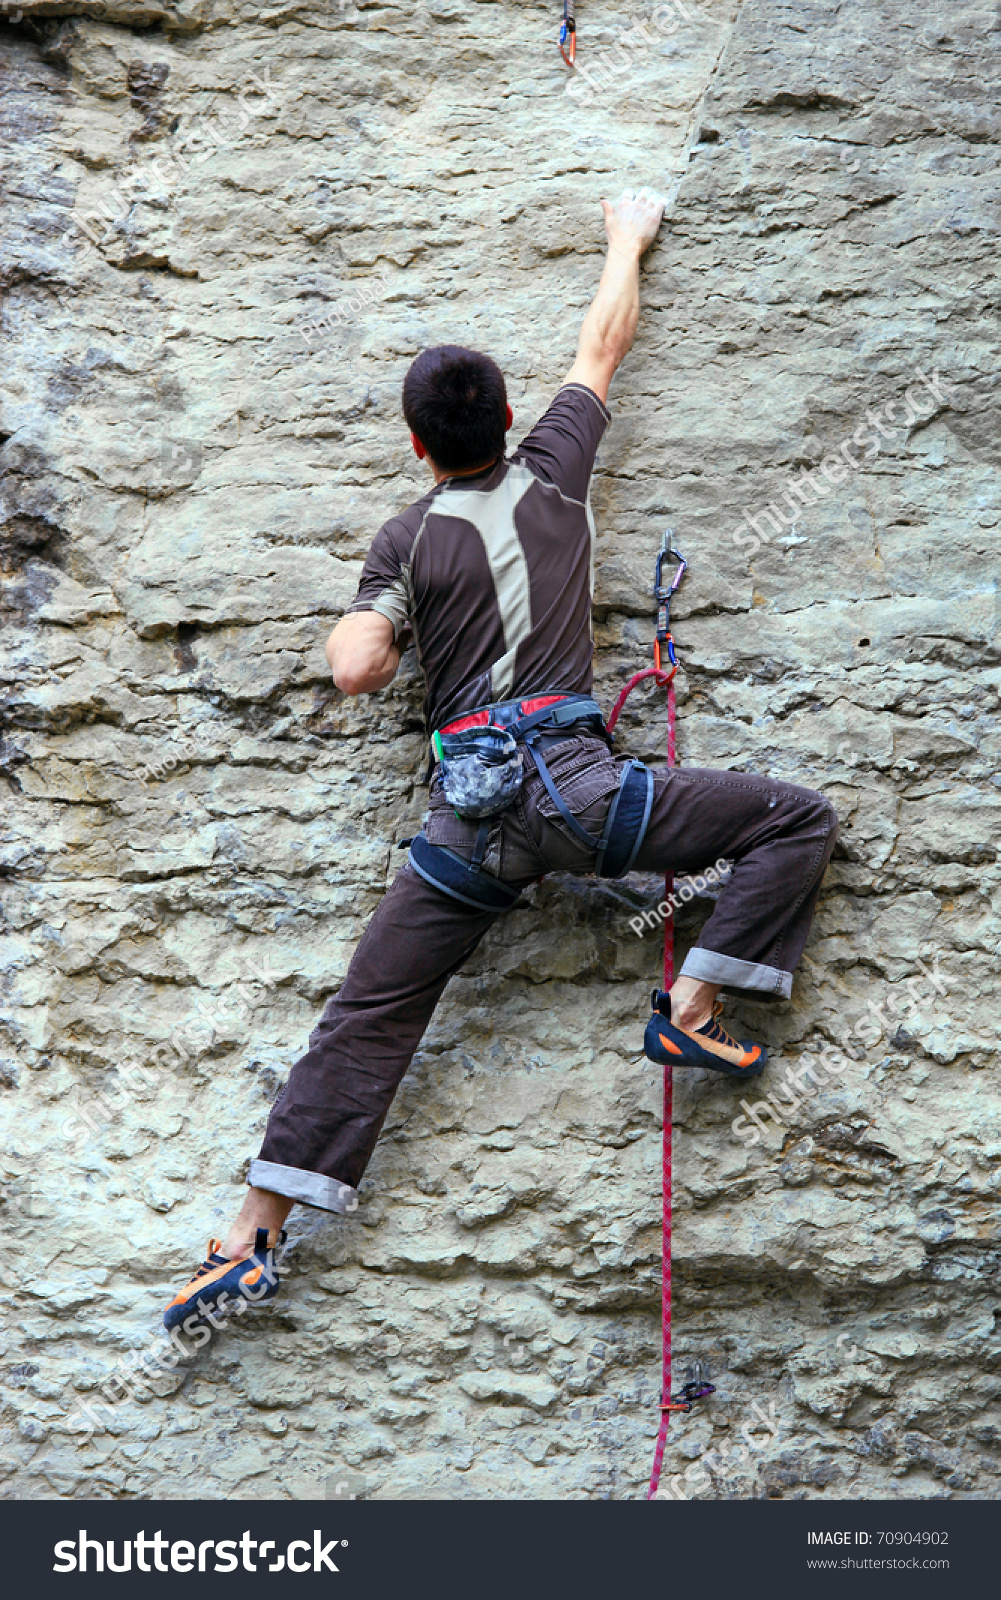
(490,575)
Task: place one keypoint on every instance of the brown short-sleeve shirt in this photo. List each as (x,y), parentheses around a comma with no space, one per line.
(494,572)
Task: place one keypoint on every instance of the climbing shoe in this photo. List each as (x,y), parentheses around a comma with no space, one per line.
(221,1283)
(709,1046)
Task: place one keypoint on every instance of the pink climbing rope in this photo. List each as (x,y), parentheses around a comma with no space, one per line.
(665,680)
(665,1274)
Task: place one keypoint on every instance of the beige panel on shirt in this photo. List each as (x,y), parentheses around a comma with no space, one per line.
(492,514)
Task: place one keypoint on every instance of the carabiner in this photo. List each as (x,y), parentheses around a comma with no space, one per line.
(664,593)
(689,1393)
(698,1387)
(657,652)
(568,33)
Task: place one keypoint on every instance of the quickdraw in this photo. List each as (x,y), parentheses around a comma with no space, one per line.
(568,33)
(697,1388)
(664,594)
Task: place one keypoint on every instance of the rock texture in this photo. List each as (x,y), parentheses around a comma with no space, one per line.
(197,826)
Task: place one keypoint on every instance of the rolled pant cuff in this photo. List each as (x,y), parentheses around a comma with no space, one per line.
(296,1183)
(710,967)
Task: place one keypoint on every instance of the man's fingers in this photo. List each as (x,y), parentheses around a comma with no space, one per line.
(645,196)
(652,198)
(635,215)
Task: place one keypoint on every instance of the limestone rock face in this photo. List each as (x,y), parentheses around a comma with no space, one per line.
(226,233)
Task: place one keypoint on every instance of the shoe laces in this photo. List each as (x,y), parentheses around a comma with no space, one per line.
(214,1259)
(712,1030)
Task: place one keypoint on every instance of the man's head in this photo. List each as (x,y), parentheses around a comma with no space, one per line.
(456,408)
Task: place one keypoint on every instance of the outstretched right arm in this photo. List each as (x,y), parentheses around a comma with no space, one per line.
(609,327)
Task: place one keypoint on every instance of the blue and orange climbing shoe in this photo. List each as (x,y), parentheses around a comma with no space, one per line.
(219,1284)
(709,1046)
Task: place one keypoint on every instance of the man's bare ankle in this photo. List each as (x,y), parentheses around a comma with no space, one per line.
(692,1003)
(690,1015)
(238,1243)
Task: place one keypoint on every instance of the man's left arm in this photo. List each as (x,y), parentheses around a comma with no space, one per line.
(365,647)
(362,652)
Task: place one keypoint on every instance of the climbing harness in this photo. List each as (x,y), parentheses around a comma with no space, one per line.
(481,765)
(474,749)
(460,879)
(663,651)
(568,33)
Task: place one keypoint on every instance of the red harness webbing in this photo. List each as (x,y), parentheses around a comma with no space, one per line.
(665,680)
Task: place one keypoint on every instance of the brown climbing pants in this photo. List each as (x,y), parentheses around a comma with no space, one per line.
(328,1116)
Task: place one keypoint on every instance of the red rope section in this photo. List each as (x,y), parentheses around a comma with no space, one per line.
(665,680)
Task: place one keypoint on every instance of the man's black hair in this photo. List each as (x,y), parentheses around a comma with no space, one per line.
(455,401)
